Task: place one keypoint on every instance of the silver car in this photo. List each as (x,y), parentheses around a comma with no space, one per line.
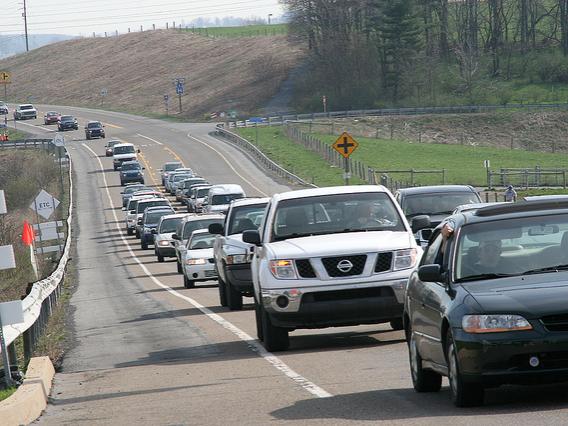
(163,242)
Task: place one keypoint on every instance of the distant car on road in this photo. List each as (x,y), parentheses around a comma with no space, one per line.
(67,122)
(164,244)
(220,196)
(149,223)
(232,255)
(195,199)
(122,152)
(24,112)
(198,263)
(3,108)
(130,189)
(167,169)
(131,171)
(94,129)
(51,117)
(109,146)
(437,202)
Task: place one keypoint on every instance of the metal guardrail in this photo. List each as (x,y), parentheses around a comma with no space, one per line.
(44,294)
(260,158)
(280,119)
(27,143)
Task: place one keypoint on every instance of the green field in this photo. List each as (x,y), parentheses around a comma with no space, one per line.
(244,31)
(293,157)
(463,164)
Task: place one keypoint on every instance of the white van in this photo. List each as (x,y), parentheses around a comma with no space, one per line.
(123,152)
(220,196)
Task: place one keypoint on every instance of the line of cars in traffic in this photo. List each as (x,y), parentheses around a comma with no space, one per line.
(478,288)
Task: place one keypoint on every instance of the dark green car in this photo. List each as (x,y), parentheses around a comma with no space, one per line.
(488,304)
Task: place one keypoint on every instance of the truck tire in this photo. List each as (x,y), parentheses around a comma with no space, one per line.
(160,258)
(274,338)
(396,324)
(222,292)
(179,268)
(129,231)
(143,245)
(258,318)
(234,298)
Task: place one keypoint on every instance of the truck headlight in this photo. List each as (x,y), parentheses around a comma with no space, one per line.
(494,323)
(164,243)
(196,261)
(283,269)
(235,259)
(404,259)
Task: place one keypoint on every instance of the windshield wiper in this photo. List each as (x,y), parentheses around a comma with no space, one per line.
(484,277)
(546,269)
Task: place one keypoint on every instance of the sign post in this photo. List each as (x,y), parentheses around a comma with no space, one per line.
(167,103)
(104,92)
(345,145)
(5,79)
(180,89)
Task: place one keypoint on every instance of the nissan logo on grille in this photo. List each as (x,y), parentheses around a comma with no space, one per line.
(344,266)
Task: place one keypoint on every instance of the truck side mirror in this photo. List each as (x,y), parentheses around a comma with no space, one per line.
(420,222)
(252,237)
(216,229)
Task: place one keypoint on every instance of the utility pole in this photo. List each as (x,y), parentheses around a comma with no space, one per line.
(269,16)
(25,15)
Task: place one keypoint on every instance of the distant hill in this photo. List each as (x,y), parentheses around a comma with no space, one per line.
(14,44)
(137,69)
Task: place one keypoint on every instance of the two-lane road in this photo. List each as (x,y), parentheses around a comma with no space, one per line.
(148,351)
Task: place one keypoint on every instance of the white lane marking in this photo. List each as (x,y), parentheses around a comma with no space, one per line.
(252,343)
(150,139)
(39,127)
(229,164)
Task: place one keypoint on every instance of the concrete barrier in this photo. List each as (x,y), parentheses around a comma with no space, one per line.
(28,402)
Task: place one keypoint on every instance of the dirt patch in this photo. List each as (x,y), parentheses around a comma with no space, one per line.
(137,69)
(545,131)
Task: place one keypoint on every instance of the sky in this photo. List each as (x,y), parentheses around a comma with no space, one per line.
(83,17)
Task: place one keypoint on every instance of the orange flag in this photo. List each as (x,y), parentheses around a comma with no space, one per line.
(28,234)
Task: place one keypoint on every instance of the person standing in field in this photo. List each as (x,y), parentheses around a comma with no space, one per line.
(510,194)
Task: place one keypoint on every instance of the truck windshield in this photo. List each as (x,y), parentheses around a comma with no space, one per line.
(337,213)
(246,218)
(123,149)
(225,199)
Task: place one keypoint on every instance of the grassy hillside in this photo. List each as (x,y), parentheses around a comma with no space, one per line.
(243,31)
(137,69)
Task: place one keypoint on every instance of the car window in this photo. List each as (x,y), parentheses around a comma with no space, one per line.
(337,213)
(225,199)
(202,192)
(436,203)
(142,206)
(94,125)
(245,218)
(129,149)
(130,166)
(513,246)
(171,166)
(201,241)
(169,225)
(432,254)
(154,217)
(194,225)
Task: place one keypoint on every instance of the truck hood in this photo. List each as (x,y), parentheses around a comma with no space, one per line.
(532,296)
(199,254)
(123,156)
(341,244)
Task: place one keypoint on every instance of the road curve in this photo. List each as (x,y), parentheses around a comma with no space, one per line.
(148,351)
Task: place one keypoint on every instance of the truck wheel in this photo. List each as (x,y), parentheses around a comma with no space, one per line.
(275,338)
(234,298)
(222,292)
(129,231)
(180,270)
(463,394)
(188,283)
(160,258)
(258,318)
(397,324)
(143,245)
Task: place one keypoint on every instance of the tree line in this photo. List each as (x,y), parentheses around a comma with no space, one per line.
(364,52)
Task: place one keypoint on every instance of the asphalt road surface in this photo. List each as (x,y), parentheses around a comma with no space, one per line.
(148,351)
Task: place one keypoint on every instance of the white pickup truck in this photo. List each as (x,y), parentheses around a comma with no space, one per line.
(232,255)
(329,257)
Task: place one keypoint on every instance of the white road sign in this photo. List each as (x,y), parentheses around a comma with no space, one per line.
(49,231)
(7,258)
(59,140)
(44,204)
(49,249)
(12,312)
(3,209)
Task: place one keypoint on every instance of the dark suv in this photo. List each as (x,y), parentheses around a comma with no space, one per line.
(487,304)
(67,122)
(94,129)
(131,171)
